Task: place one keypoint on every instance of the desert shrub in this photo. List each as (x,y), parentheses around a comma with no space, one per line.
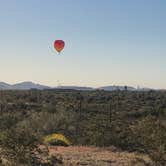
(17,146)
(20,146)
(151,133)
(135,121)
(56,139)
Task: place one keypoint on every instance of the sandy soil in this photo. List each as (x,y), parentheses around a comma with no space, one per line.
(90,156)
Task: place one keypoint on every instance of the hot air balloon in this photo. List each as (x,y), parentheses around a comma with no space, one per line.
(59,45)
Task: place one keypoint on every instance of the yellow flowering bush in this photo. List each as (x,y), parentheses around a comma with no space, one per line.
(57,140)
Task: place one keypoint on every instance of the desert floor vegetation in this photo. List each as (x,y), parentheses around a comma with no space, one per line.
(131,121)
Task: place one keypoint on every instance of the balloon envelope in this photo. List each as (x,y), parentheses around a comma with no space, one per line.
(59,45)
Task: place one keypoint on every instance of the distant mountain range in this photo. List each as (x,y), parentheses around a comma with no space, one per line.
(4,85)
(76,88)
(30,85)
(22,86)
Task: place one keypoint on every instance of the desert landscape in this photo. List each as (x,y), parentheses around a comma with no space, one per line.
(100,127)
(82,83)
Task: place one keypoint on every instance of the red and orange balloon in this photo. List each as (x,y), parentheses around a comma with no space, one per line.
(59,45)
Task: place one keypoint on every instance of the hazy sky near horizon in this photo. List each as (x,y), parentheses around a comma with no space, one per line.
(107,42)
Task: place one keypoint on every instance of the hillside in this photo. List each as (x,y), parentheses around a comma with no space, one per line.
(131,121)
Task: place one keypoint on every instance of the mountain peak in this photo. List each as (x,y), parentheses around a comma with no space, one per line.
(4,85)
(29,85)
(22,86)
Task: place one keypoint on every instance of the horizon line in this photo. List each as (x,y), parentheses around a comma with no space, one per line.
(86,86)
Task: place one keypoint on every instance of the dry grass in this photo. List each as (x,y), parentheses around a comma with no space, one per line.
(90,156)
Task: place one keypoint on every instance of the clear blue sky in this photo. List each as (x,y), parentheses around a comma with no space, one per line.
(107,42)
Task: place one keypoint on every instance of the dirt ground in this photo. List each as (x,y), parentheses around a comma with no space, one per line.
(91,156)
